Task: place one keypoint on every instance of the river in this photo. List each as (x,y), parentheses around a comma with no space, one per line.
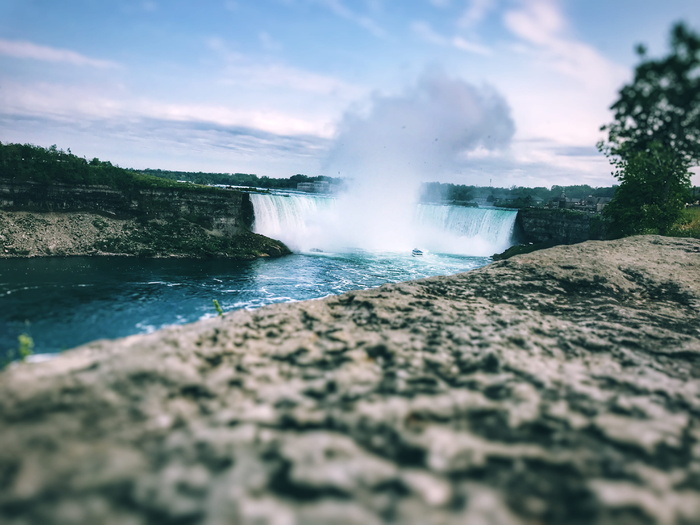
(65,302)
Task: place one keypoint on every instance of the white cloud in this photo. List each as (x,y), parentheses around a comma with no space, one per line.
(55,101)
(283,76)
(537,21)
(428,34)
(542,26)
(267,101)
(242,70)
(268,42)
(73,104)
(471,47)
(533,163)
(29,50)
(560,88)
(338,8)
(274,122)
(475,12)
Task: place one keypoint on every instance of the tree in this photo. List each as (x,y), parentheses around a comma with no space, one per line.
(655,184)
(662,104)
(655,137)
(460,193)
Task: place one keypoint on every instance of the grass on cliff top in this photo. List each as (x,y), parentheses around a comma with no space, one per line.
(688,225)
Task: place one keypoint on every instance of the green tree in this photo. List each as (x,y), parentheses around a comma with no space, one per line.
(662,104)
(652,194)
(655,137)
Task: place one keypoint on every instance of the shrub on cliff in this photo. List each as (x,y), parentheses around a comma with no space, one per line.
(652,194)
(688,225)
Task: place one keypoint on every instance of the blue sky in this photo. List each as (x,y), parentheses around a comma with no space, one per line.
(514,91)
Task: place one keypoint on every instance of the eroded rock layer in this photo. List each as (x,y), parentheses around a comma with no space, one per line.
(559,387)
(50,234)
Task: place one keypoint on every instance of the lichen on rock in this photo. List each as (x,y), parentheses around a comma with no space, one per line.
(561,386)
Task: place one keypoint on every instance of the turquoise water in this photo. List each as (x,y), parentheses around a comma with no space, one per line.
(65,302)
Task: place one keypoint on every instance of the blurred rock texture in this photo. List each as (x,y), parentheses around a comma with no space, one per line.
(558,387)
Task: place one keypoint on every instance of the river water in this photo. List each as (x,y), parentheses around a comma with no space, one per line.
(65,302)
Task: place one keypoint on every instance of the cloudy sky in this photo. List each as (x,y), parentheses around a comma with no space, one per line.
(513,91)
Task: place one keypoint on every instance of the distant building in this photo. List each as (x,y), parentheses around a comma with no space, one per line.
(321,186)
(695,200)
(601,203)
(563,200)
(590,204)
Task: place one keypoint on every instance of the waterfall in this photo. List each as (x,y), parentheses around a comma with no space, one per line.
(465,230)
(287,217)
(309,222)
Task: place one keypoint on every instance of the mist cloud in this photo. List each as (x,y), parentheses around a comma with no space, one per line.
(396,143)
(422,131)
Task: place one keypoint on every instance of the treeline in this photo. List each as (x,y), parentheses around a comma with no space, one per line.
(30,163)
(239,179)
(27,162)
(513,197)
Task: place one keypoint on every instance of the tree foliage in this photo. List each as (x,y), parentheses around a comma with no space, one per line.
(30,163)
(655,137)
(662,104)
(651,197)
(513,197)
(239,179)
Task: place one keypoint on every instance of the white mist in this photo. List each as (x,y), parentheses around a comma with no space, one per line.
(397,144)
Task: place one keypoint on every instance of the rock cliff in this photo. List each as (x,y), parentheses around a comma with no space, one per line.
(36,234)
(558,387)
(226,211)
(61,219)
(554,226)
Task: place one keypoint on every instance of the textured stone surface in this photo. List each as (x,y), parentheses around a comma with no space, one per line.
(556,387)
(226,211)
(555,226)
(40,234)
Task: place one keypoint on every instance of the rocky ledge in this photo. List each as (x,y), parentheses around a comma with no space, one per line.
(558,387)
(40,234)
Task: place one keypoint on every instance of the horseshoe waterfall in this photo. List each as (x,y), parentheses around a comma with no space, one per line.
(320,223)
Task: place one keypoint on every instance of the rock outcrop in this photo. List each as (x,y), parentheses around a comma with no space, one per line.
(558,387)
(556,226)
(57,219)
(225,211)
(37,234)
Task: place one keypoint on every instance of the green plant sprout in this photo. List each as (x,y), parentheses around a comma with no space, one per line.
(25,348)
(218,308)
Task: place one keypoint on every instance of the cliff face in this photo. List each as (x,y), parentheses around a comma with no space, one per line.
(37,234)
(556,226)
(59,219)
(558,387)
(229,212)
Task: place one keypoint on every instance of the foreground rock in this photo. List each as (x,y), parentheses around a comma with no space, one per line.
(556,387)
(40,234)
